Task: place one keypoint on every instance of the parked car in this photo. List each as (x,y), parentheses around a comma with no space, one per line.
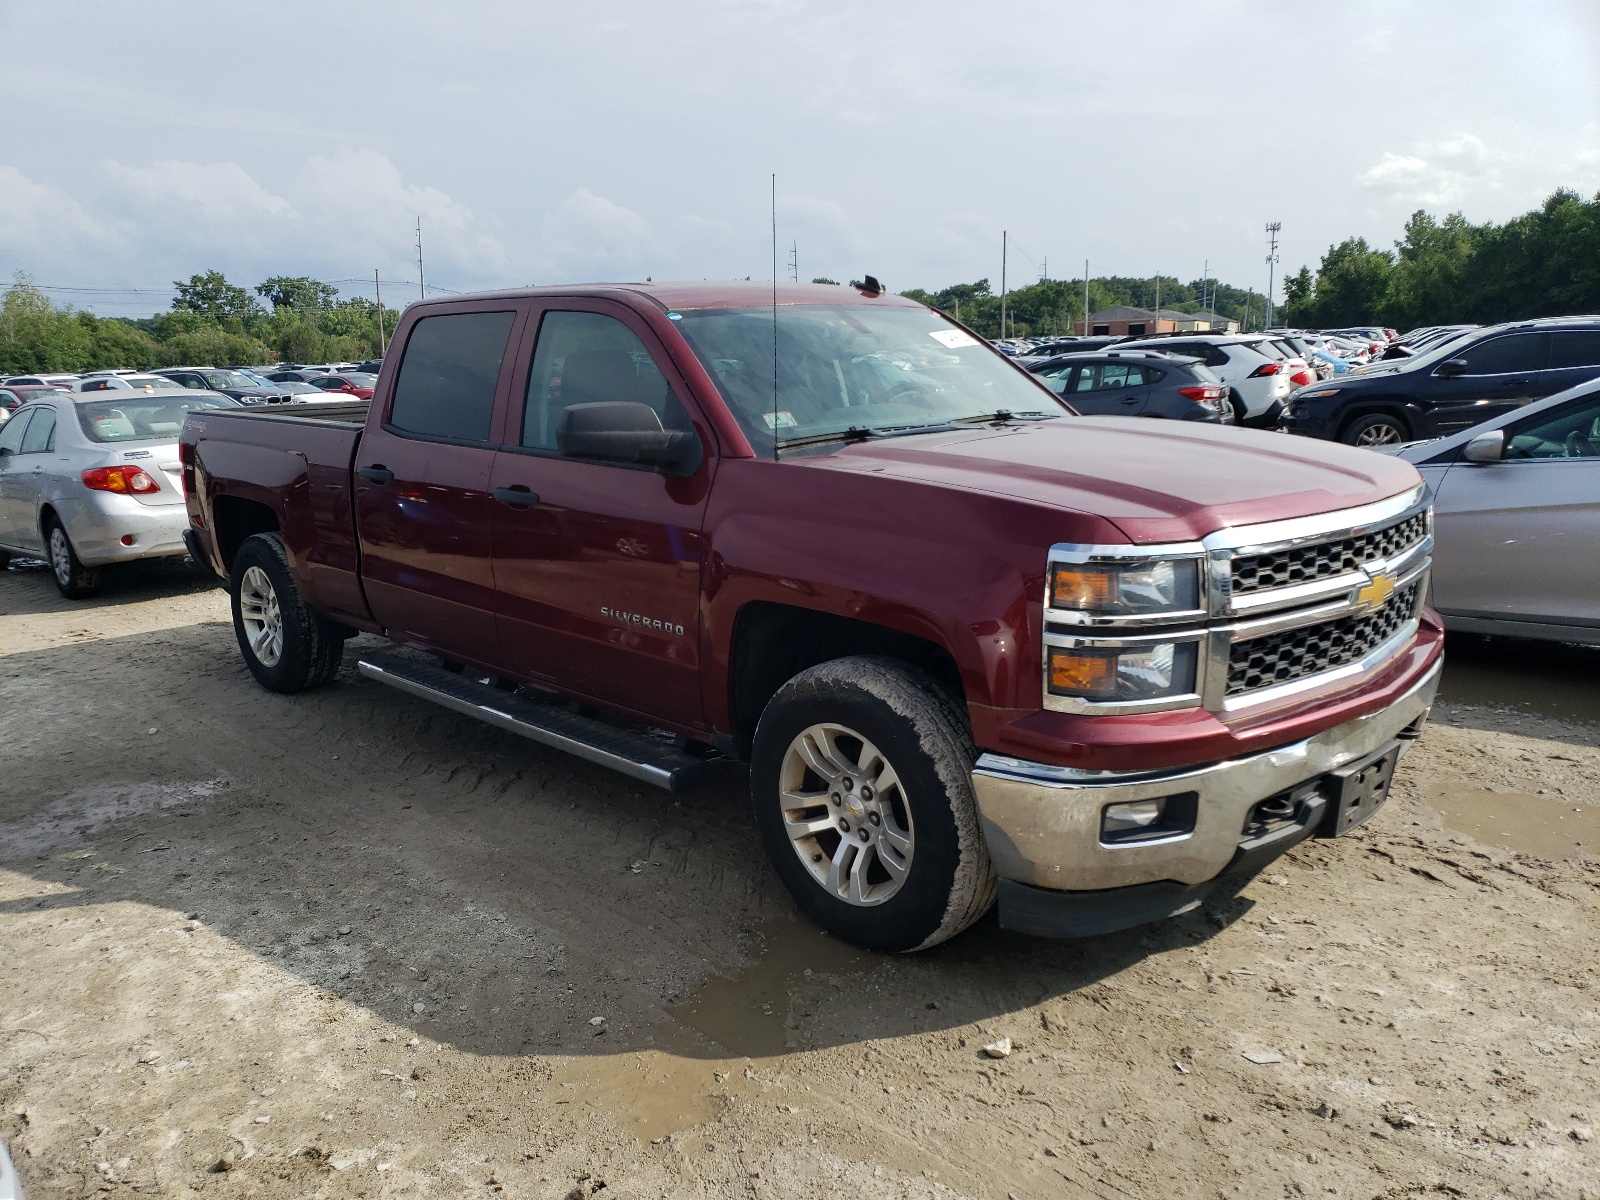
(235,384)
(1255,375)
(1460,382)
(93,478)
(969,642)
(15,395)
(55,381)
(1137,383)
(1517,520)
(121,382)
(292,375)
(351,384)
(371,367)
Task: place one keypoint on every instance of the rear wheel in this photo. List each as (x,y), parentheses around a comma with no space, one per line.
(1376,429)
(74,580)
(287,647)
(861,778)
(1237,401)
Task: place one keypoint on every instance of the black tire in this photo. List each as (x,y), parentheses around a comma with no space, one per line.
(921,731)
(1376,429)
(307,649)
(74,580)
(1237,401)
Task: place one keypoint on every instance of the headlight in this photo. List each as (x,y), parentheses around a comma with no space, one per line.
(1319,393)
(1150,672)
(1171,585)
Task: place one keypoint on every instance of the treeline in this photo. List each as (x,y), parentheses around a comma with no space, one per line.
(211,322)
(1545,263)
(1056,305)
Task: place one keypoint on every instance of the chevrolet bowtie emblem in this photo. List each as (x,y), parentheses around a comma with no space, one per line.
(1375,592)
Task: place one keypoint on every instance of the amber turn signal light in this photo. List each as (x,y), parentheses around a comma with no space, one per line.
(1087,589)
(1079,673)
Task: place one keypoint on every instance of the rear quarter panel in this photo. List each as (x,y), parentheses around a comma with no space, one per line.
(297,467)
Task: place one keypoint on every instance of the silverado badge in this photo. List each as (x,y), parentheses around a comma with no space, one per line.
(1378,589)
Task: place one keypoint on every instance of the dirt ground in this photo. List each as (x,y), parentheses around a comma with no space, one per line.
(351,945)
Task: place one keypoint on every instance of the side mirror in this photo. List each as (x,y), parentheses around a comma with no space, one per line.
(1450,368)
(1486,447)
(623,431)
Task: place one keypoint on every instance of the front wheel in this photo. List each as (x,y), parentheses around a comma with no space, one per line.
(74,580)
(1375,429)
(861,778)
(287,647)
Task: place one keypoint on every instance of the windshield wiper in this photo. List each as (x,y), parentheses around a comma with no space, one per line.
(861,433)
(1001,415)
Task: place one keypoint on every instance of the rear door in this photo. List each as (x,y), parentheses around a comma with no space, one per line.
(1110,388)
(26,475)
(1517,538)
(423,509)
(597,565)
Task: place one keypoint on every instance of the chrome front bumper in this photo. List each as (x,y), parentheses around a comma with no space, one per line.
(1042,822)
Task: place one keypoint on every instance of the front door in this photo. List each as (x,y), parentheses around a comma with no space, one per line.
(16,484)
(1501,374)
(1517,538)
(422,491)
(598,565)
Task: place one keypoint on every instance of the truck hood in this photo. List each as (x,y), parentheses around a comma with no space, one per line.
(1157,481)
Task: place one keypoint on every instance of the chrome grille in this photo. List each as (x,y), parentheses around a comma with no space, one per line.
(1324,560)
(1311,649)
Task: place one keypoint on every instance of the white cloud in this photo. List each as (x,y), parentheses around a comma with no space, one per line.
(589,234)
(1442,173)
(37,216)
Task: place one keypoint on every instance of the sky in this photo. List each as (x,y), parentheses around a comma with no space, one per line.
(616,140)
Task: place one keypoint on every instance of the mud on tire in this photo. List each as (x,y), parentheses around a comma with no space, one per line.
(867,704)
(287,647)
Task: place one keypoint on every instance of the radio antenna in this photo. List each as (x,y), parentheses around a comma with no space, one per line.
(774,316)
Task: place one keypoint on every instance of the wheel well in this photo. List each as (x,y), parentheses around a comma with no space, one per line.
(772,643)
(47,513)
(1367,410)
(234,520)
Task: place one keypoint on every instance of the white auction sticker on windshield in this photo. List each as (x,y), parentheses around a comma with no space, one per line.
(779,420)
(952,338)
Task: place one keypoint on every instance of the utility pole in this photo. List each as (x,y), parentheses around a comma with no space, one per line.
(1157,329)
(1249,303)
(794,261)
(1272,263)
(1205,287)
(383,341)
(422,280)
(1002,283)
(1086,297)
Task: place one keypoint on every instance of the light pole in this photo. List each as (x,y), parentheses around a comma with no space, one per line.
(1272,262)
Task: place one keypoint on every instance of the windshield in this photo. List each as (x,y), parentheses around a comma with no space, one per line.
(230,379)
(851,367)
(132,419)
(358,379)
(1446,349)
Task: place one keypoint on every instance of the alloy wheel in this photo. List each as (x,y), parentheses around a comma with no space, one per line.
(846,814)
(262,619)
(1380,434)
(61,556)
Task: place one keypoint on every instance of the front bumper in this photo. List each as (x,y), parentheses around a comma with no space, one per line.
(1042,824)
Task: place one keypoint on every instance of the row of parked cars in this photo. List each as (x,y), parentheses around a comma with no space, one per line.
(1366,387)
(248,385)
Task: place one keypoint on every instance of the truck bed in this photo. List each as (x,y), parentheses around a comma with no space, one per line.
(330,412)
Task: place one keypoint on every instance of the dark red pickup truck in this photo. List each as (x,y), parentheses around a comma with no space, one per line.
(967,641)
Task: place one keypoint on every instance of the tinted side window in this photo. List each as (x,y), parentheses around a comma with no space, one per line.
(1575,433)
(1575,348)
(11,431)
(41,433)
(1507,353)
(586,358)
(445,387)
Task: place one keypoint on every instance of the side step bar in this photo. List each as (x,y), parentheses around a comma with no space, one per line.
(636,756)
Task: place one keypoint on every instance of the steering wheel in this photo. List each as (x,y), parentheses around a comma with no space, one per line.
(898,393)
(1579,446)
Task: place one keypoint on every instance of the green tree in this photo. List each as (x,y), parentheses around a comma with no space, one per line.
(298,292)
(37,336)
(211,295)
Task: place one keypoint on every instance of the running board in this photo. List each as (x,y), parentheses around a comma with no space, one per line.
(632,754)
